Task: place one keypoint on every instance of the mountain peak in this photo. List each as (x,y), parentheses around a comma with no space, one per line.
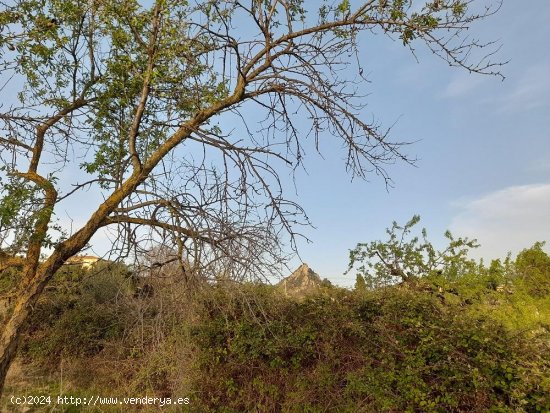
(302,281)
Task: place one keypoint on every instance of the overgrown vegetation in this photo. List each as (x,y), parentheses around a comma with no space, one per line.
(397,350)
(463,337)
(470,341)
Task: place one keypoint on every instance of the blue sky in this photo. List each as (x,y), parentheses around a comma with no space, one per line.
(483,148)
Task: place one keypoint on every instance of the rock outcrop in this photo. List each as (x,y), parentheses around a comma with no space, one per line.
(301,282)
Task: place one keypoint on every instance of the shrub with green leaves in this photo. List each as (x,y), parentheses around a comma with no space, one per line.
(394,350)
(79,313)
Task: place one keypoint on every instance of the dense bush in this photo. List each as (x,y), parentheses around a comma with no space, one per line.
(106,331)
(79,314)
(396,350)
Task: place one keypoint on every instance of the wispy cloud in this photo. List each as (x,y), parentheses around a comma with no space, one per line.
(528,91)
(531,91)
(462,84)
(507,220)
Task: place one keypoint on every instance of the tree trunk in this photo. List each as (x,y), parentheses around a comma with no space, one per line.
(26,299)
(37,276)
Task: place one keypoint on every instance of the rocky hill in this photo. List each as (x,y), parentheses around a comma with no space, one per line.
(301,282)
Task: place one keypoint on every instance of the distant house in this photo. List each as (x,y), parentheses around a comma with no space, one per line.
(84,261)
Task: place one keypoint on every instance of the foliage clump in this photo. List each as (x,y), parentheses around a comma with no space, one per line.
(397,349)
(79,315)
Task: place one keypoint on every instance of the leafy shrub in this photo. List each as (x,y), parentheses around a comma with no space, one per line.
(533,268)
(394,350)
(78,314)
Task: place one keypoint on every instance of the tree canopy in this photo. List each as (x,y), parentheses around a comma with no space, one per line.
(405,257)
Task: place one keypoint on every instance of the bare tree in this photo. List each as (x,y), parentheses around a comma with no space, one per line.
(135,102)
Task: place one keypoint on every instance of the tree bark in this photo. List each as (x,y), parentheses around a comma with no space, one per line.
(26,300)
